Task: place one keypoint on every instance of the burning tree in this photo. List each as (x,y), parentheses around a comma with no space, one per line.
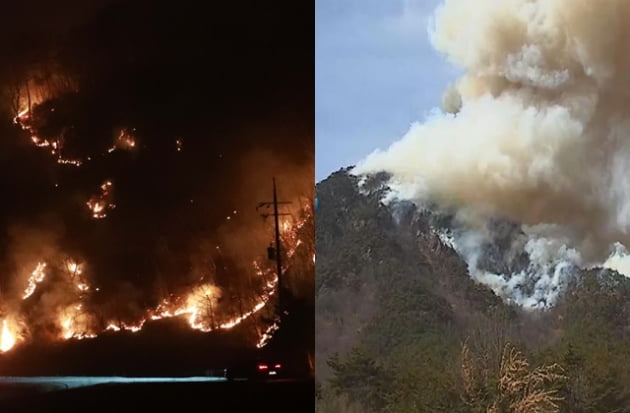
(37,84)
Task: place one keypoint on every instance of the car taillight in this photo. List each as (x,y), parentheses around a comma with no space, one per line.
(278,366)
(262,367)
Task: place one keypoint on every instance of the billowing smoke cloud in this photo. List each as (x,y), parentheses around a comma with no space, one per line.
(535,268)
(536,131)
(619,260)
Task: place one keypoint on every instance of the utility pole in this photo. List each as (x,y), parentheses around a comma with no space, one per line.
(277,256)
(278,252)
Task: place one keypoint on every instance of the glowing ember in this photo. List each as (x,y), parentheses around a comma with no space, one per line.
(125,140)
(126,327)
(73,162)
(266,336)
(75,270)
(40,143)
(83,287)
(21,116)
(132,328)
(73,267)
(98,204)
(112,327)
(24,120)
(36,277)
(259,270)
(7,338)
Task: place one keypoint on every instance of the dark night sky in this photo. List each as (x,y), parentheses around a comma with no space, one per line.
(234,80)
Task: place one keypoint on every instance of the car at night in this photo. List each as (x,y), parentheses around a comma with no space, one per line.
(256,370)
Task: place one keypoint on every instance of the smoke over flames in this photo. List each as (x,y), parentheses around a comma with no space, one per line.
(536,132)
(55,299)
(212,273)
(135,174)
(217,278)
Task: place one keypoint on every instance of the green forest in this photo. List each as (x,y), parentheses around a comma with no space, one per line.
(401,326)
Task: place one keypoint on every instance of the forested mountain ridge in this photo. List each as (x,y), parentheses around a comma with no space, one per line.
(402,327)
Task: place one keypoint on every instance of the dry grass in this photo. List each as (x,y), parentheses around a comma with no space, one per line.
(515,388)
(337,403)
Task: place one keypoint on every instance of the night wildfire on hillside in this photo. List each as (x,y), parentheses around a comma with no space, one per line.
(142,147)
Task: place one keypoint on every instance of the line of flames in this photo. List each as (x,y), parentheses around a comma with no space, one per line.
(23,119)
(267,335)
(125,140)
(74,321)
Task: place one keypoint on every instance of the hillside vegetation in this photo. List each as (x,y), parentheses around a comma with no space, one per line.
(401,326)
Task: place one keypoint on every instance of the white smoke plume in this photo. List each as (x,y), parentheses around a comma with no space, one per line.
(551,264)
(537,131)
(619,260)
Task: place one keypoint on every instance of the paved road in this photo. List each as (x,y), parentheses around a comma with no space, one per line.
(121,394)
(71,382)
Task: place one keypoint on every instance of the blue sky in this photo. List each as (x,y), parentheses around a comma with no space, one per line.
(375,74)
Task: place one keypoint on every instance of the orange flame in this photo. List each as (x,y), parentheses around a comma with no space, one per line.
(36,277)
(98,204)
(7,337)
(200,307)
(125,140)
(23,119)
(75,323)
(266,336)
